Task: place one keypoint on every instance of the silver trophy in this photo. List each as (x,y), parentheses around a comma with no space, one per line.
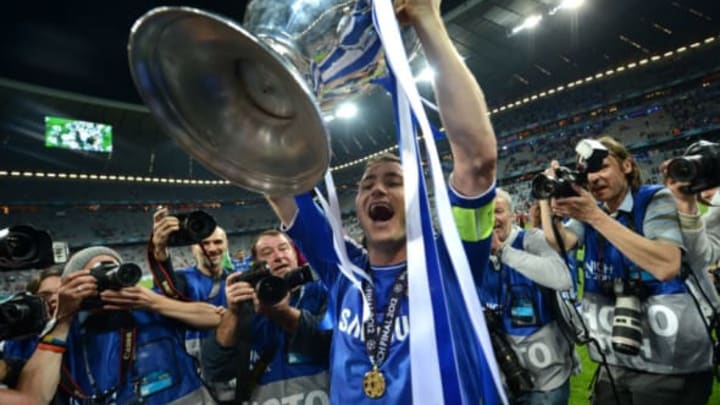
(248,101)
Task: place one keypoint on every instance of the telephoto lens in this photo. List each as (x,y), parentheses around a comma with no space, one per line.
(627,330)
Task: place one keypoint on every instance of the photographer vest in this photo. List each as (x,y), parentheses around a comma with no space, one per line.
(528,321)
(128,357)
(675,340)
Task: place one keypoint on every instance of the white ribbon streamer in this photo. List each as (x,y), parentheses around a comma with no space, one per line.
(423,353)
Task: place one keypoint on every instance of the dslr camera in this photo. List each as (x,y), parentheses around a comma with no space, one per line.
(272,289)
(194,227)
(627,333)
(23,247)
(590,155)
(700,166)
(517,378)
(23,314)
(111,276)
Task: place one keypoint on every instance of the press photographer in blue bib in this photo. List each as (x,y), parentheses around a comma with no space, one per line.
(518,290)
(269,346)
(205,280)
(694,177)
(651,339)
(30,367)
(126,344)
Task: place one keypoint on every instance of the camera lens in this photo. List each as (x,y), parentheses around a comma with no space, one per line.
(543,187)
(627,330)
(682,169)
(14,312)
(200,225)
(115,278)
(128,274)
(271,290)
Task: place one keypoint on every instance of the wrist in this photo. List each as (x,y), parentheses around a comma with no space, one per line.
(160,253)
(52,343)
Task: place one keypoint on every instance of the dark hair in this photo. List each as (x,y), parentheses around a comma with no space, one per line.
(386,157)
(33,285)
(620,153)
(269,232)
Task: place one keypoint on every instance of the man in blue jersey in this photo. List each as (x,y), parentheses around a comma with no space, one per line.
(652,342)
(274,352)
(518,288)
(370,370)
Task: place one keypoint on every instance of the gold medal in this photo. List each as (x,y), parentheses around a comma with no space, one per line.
(374,383)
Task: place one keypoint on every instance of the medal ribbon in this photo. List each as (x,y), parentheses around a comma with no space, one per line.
(377,340)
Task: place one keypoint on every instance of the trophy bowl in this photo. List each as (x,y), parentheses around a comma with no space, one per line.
(247,101)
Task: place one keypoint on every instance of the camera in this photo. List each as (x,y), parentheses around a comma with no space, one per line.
(24,247)
(113,276)
(627,331)
(272,289)
(700,166)
(194,227)
(517,378)
(590,155)
(23,314)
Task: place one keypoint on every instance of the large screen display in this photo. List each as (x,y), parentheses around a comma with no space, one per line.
(77,135)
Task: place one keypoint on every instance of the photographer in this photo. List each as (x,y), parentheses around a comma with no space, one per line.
(518,287)
(203,282)
(36,381)
(274,351)
(649,337)
(45,285)
(700,233)
(126,344)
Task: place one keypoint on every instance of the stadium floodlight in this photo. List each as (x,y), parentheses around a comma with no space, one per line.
(346,111)
(529,23)
(567,5)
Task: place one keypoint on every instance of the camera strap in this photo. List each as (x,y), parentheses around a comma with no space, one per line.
(377,340)
(164,276)
(128,348)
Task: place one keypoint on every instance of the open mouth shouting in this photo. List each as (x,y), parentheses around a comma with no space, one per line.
(380,211)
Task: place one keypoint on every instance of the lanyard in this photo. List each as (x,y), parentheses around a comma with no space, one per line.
(377,340)
(128,336)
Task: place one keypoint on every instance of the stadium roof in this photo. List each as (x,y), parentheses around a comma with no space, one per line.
(69,59)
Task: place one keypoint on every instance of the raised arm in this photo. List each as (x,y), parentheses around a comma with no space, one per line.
(200,315)
(461,101)
(285,208)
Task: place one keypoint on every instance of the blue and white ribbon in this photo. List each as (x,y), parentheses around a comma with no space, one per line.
(425,366)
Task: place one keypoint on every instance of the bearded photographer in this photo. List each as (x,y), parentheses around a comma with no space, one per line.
(633,247)
(272,347)
(518,286)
